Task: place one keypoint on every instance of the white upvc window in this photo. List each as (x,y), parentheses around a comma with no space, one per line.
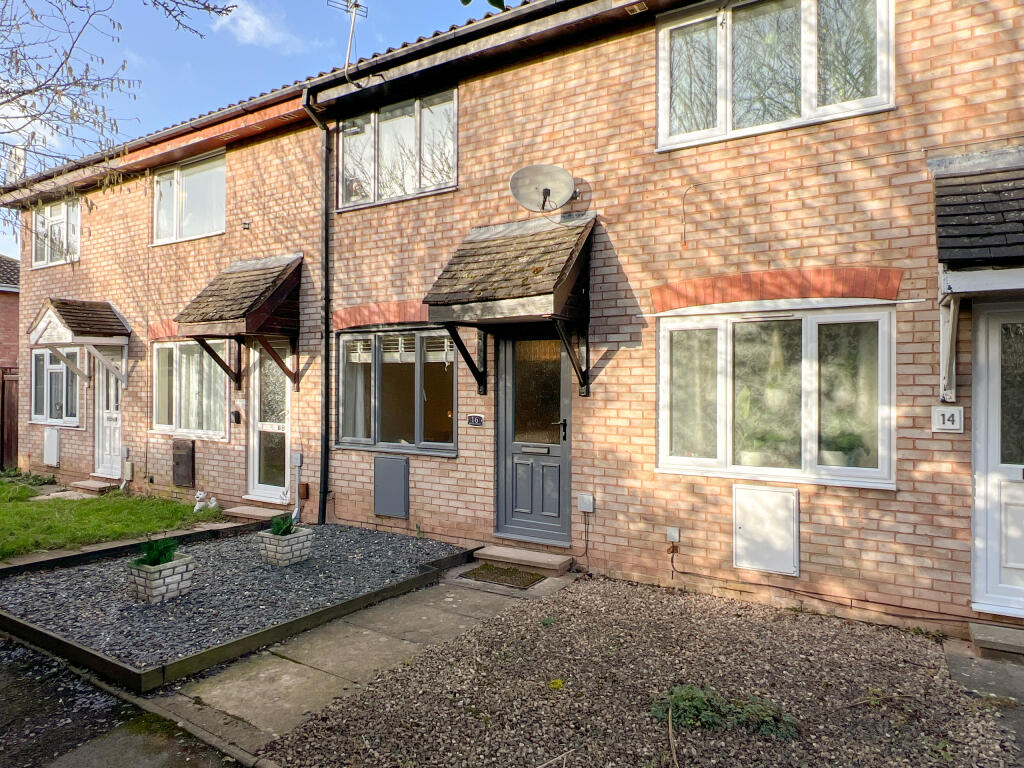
(188,201)
(802,396)
(189,390)
(397,390)
(55,388)
(399,151)
(740,68)
(56,232)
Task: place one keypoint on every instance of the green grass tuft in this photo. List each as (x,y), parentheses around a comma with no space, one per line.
(694,707)
(27,526)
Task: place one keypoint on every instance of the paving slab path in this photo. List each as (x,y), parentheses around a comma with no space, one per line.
(254,700)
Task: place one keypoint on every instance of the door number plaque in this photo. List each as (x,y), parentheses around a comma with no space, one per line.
(947,418)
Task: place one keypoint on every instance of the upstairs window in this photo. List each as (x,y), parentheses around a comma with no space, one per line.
(54,388)
(189,201)
(401,150)
(762,66)
(56,230)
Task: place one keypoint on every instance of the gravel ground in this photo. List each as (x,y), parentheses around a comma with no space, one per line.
(863,695)
(46,711)
(233,593)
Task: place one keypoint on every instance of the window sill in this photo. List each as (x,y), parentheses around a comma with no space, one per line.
(59,425)
(187,239)
(204,436)
(411,451)
(55,263)
(670,145)
(788,479)
(390,200)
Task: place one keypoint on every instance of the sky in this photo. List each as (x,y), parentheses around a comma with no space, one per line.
(262,45)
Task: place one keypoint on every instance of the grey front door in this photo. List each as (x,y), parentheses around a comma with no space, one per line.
(533,441)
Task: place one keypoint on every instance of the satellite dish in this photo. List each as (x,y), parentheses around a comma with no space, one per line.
(542,187)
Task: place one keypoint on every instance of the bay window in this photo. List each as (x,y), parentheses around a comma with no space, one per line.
(801,395)
(189,201)
(55,388)
(56,233)
(189,389)
(397,390)
(751,67)
(400,150)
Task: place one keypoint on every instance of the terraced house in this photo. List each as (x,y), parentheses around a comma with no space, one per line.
(772,344)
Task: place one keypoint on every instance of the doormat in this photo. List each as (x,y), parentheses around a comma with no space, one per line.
(510,577)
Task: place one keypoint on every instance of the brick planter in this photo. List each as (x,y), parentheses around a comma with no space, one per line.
(158,583)
(286,550)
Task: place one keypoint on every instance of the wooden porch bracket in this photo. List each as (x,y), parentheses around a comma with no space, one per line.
(293,376)
(55,351)
(101,360)
(234,374)
(477,367)
(580,366)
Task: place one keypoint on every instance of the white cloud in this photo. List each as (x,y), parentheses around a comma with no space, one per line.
(251,26)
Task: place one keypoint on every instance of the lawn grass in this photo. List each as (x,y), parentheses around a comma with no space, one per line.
(26,526)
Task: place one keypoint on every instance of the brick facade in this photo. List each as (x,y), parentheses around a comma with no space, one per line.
(842,208)
(8,329)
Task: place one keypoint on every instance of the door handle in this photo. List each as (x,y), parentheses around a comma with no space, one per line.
(564,423)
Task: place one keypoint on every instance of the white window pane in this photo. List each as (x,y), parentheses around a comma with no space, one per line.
(356,380)
(767,393)
(357,160)
(693,79)
(693,394)
(214,408)
(438,389)
(398,389)
(39,384)
(766,62)
(56,387)
(437,143)
(190,392)
(1011,389)
(71,387)
(55,241)
(847,50)
(396,153)
(848,400)
(163,227)
(165,386)
(202,198)
(73,228)
(39,239)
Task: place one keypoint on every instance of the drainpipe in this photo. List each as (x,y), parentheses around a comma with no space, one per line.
(325,347)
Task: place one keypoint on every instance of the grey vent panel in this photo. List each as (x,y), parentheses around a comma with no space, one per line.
(391,486)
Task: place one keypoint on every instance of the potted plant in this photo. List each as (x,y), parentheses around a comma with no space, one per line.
(843,449)
(285,543)
(161,573)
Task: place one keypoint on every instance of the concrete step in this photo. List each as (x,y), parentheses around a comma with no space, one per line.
(253,514)
(94,487)
(540,562)
(998,642)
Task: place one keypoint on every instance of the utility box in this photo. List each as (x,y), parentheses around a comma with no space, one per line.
(391,486)
(184,463)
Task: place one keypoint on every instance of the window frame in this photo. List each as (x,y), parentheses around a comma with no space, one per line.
(810,471)
(175,172)
(810,113)
(38,218)
(52,365)
(175,429)
(374,130)
(419,446)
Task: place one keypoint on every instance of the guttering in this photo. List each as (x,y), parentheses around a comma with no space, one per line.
(5,288)
(325,344)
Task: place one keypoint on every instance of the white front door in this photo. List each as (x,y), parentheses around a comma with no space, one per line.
(999,460)
(268,419)
(108,415)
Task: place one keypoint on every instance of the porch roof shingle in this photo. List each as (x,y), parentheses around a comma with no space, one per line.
(89,318)
(979,218)
(10,269)
(239,290)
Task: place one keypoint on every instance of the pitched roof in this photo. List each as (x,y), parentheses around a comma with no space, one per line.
(979,218)
(240,289)
(89,318)
(9,270)
(512,261)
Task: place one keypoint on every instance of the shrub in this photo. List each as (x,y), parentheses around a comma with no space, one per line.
(694,707)
(282,526)
(157,552)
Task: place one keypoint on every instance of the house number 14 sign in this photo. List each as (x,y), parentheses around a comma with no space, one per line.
(947,418)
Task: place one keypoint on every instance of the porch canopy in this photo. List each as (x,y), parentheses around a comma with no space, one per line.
(529,271)
(250,299)
(979,221)
(63,323)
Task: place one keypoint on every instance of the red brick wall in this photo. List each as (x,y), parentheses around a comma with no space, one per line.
(8,329)
(851,193)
